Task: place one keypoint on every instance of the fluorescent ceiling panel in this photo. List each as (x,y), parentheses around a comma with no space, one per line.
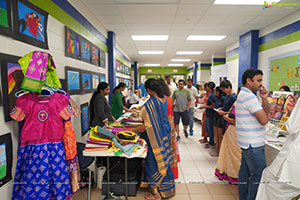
(242,2)
(175,65)
(189,52)
(206,37)
(150,37)
(180,60)
(151,65)
(151,52)
(146,1)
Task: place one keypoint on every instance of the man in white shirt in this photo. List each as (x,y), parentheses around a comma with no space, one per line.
(194,95)
(172,85)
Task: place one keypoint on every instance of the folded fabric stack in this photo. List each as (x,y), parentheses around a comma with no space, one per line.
(129,123)
(126,142)
(99,139)
(115,125)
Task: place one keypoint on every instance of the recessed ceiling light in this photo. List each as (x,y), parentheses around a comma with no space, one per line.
(151,65)
(175,65)
(151,52)
(180,60)
(242,2)
(150,37)
(146,1)
(206,37)
(188,52)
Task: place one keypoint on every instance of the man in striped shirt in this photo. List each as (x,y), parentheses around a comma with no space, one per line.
(251,116)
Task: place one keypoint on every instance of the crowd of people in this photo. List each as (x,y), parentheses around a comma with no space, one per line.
(233,127)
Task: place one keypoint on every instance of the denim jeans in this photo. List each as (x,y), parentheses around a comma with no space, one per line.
(191,116)
(209,126)
(252,165)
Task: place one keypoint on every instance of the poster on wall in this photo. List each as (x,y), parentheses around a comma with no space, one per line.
(12,77)
(73,76)
(85,48)
(285,70)
(86,81)
(5,18)
(95,55)
(30,23)
(102,58)
(95,81)
(118,66)
(5,158)
(102,78)
(84,118)
(72,45)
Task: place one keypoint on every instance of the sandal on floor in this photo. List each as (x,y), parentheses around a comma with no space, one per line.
(150,196)
(203,141)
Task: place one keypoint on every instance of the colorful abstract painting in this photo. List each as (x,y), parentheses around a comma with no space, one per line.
(102,58)
(12,78)
(30,23)
(84,118)
(5,158)
(95,80)
(72,44)
(5,17)
(95,55)
(73,76)
(118,66)
(85,50)
(86,82)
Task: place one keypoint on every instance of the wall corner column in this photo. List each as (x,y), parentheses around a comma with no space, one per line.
(111,44)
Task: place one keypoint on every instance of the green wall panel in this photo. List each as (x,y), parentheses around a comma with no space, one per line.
(67,20)
(233,57)
(293,37)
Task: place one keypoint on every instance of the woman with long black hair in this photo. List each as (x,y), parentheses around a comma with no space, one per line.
(99,108)
(158,170)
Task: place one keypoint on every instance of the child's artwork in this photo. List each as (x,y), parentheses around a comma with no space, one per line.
(86,81)
(73,76)
(30,23)
(85,50)
(95,55)
(95,80)
(84,118)
(72,44)
(5,158)
(5,17)
(102,58)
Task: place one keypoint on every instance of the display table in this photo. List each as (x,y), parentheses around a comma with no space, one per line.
(273,142)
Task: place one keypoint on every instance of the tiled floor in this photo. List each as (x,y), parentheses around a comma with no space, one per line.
(196,175)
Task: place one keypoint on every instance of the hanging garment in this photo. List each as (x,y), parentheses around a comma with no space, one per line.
(42,171)
(38,68)
(69,140)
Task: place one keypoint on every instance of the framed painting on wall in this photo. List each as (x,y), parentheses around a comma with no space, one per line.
(73,76)
(95,55)
(72,45)
(84,118)
(5,158)
(85,48)
(102,78)
(5,18)
(102,58)
(118,66)
(86,81)
(30,23)
(12,77)
(95,81)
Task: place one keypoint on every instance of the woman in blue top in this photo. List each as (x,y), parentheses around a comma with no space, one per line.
(218,122)
(210,114)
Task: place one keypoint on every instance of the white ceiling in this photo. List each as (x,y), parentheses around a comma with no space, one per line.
(178,20)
